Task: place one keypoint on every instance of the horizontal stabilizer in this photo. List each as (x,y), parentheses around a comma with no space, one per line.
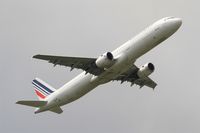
(32,103)
(57,110)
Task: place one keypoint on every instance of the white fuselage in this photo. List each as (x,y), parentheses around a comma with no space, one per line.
(125,56)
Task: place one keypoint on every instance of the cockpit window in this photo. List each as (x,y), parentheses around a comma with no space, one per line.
(168,18)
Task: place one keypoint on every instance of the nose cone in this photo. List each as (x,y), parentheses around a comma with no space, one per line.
(168,26)
(172,24)
(177,22)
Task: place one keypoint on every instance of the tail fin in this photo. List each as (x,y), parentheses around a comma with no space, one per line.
(42,89)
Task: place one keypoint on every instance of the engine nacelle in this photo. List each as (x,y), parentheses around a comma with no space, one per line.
(145,70)
(105,61)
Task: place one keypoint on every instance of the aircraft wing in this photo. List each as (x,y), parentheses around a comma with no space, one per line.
(131,76)
(86,64)
(146,82)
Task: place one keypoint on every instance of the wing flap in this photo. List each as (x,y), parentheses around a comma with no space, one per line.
(147,82)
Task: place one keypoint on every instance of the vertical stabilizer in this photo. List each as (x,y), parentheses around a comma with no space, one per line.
(42,89)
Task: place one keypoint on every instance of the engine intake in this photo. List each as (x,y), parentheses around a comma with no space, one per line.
(151,66)
(145,70)
(109,55)
(105,60)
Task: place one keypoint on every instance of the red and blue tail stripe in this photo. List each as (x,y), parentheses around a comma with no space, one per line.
(42,89)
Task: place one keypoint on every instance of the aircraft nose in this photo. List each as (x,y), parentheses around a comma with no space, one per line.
(174,23)
(178,22)
(170,25)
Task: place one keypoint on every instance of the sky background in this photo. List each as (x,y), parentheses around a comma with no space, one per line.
(88,28)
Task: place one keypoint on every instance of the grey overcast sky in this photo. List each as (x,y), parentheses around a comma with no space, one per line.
(89,28)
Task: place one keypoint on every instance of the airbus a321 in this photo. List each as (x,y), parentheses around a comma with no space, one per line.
(116,65)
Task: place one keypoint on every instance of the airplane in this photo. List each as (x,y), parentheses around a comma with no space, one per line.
(117,65)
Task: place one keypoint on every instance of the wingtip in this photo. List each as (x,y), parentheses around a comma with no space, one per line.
(18,102)
(35,56)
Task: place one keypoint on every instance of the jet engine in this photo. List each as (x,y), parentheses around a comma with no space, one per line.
(105,61)
(145,70)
